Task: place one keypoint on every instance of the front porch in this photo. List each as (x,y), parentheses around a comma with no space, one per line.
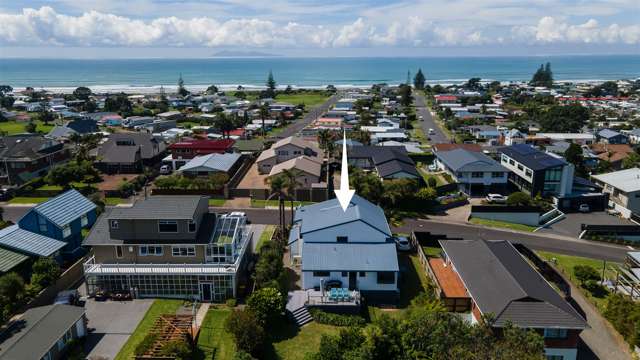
(317,298)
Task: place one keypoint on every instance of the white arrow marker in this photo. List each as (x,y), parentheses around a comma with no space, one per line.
(344,194)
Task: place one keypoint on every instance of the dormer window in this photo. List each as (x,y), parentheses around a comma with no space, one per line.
(167,226)
(114,224)
(192,226)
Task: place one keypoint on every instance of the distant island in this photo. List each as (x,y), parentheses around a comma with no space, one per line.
(232,53)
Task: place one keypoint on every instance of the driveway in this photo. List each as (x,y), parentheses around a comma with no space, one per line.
(570,226)
(113,322)
(429,122)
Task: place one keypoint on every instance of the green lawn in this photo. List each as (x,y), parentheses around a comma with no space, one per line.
(565,264)
(15,127)
(214,338)
(113,201)
(217,202)
(265,236)
(308,99)
(28,200)
(414,281)
(274,203)
(426,175)
(290,343)
(159,307)
(50,188)
(501,224)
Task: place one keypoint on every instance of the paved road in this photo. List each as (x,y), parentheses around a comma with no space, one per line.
(295,127)
(429,122)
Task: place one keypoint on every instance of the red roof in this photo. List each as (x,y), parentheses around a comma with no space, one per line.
(204,146)
(237,132)
(446,97)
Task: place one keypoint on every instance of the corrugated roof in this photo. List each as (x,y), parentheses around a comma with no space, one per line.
(329,214)
(608,133)
(14,238)
(501,282)
(464,160)
(349,257)
(212,162)
(301,163)
(10,259)
(64,208)
(626,180)
(37,331)
(390,168)
(170,207)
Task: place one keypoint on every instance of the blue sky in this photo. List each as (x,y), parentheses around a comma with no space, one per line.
(193,28)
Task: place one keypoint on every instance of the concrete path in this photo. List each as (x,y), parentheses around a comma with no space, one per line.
(113,322)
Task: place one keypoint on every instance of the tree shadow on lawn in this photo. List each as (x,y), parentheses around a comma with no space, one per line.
(282,330)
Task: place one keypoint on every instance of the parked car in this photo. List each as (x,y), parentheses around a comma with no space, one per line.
(67,297)
(421,118)
(496,199)
(402,243)
(431,132)
(165,169)
(584,208)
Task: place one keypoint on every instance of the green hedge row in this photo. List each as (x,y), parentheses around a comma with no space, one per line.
(322,317)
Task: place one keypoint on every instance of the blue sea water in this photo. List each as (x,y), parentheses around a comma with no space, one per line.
(306,72)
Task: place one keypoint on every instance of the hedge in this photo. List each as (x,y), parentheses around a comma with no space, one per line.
(326,318)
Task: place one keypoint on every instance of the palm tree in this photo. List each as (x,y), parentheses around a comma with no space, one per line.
(324,138)
(291,185)
(277,186)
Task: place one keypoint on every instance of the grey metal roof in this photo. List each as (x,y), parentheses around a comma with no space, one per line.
(170,207)
(464,160)
(65,208)
(10,259)
(329,213)
(501,282)
(14,238)
(37,331)
(390,168)
(349,257)
(212,162)
(531,157)
(608,133)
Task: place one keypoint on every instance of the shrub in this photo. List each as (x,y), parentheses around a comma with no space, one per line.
(179,349)
(586,273)
(242,355)
(432,182)
(327,318)
(247,331)
(595,288)
(231,303)
(429,193)
(145,344)
(267,304)
(519,199)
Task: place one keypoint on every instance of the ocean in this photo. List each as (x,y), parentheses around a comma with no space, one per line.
(146,75)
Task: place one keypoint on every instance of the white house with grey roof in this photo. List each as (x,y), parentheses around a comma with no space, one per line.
(352,246)
(474,171)
(623,188)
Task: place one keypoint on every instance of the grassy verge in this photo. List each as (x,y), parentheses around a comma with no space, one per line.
(18,127)
(217,202)
(274,203)
(28,200)
(308,99)
(566,263)
(214,338)
(501,224)
(159,307)
(265,236)
(113,201)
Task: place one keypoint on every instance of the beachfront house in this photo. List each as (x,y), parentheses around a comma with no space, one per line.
(170,247)
(353,247)
(62,218)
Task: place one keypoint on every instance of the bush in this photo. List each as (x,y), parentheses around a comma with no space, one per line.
(432,182)
(585,273)
(327,318)
(247,331)
(179,349)
(267,304)
(231,303)
(519,199)
(242,355)
(595,288)
(145,344)
(429,193)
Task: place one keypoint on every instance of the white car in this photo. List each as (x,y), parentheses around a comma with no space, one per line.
(496,199)
(584,208)
(421,118)
(431,131)
(165,169)
(402,243)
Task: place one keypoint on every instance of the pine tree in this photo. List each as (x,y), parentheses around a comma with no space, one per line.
(271,83)
(181,90)
(419,80)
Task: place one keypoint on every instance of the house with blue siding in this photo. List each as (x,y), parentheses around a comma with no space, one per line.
(62,218)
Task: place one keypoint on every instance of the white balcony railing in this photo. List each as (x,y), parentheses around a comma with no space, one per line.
(92,268)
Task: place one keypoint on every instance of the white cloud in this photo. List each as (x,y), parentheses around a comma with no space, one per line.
(45,26)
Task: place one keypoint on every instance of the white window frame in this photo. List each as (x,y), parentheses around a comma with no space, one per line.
(183,251)
(167,222)
(150,250)
(66,231)
(84,220)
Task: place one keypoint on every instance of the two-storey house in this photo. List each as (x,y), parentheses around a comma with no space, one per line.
(287,149)
(62,218)
(475,172)
(26,157)
(168,246)
(623,188)
(478,278)
(537,172)
(352,246)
